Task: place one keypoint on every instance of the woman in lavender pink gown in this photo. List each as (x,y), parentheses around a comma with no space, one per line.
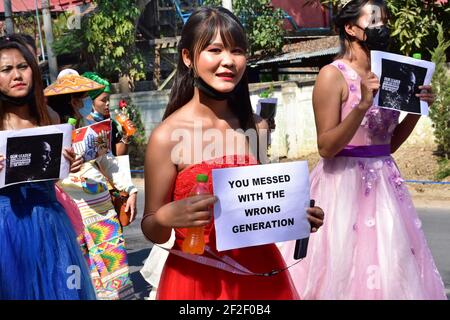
(371,245)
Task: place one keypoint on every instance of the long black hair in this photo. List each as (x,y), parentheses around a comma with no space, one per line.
(38,108)
(199,31)
(349,14)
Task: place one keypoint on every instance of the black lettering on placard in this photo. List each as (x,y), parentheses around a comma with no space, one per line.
(239,183)
(263,225)
(263,210)
(250,197)
(271,180)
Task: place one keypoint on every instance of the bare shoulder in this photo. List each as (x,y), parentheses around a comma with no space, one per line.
(330,74)
(161,135)
(330,83)
(167,133)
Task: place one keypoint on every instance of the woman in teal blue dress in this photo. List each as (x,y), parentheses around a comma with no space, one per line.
(39,255)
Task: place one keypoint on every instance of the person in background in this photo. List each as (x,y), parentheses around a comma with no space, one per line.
(30,43)
(101,111)
(68,96)
(101,236)
(371,245)
(39,255)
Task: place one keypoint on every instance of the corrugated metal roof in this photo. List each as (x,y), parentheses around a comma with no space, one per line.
(30,5)
(298,56)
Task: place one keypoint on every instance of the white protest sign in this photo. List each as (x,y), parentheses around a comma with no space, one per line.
(400,78)
(261,204)
(35,154)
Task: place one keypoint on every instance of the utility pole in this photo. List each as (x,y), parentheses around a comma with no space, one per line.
(228,4)
(8,17)
(38,20)
(52,63)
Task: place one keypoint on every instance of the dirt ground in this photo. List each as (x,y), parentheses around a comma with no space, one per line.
(415,163)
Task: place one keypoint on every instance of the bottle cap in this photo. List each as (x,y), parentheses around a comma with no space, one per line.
(72,121)
(202,177)
(417,55)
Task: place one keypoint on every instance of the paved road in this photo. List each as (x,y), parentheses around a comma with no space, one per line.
(435,223)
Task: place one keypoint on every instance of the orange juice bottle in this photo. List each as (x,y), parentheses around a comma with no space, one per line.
(194,242)
(127,125)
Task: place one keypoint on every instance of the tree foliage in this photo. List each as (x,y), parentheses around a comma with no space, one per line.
(440,112)
(413,23)
(107,39)
(263,23)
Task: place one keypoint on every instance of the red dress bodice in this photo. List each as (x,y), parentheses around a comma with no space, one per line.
(184,279)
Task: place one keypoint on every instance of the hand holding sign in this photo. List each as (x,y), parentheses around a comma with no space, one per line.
(34,154)
(426,94)
(402,78)
(261,204)
(369,87)
(315,217)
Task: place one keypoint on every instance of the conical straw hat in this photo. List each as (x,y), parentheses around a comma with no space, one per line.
(71,83)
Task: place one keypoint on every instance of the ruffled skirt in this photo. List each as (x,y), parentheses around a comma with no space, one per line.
(39,255)
(371,245)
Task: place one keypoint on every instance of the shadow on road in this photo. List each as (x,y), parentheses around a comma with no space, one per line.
(135,262)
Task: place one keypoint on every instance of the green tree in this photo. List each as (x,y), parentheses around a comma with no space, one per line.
(262,22)
(440,112)
(68,41)
(139,139)
(25,24)
(413,23)
(106,39)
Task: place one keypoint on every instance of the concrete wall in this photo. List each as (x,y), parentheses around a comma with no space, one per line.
(295,133)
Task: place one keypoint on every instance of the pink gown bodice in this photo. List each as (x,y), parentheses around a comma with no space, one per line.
(378,124)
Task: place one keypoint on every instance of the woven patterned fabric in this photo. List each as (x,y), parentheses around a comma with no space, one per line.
(102,240)
(71,84)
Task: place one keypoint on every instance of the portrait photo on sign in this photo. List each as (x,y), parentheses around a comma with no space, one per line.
(399,85)
(400,79)
(33,158)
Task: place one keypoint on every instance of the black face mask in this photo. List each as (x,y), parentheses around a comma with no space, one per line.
(211,92)
(377,38)
(18,102)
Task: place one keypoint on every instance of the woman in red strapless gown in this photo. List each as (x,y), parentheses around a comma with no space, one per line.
(184,279)
(208,111)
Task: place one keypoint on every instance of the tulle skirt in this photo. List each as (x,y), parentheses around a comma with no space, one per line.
(371,245)
(39,255)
